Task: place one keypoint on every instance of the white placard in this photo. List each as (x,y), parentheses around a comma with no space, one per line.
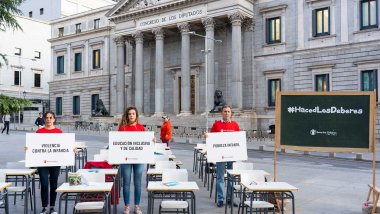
(131,147)
(45,149)
(226,146)
(170,18)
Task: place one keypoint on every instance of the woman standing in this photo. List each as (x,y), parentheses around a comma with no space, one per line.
(129,122)
(49,173)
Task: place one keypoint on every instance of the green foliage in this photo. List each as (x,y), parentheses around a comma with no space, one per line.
(3,59)
(9,105)
(8,10)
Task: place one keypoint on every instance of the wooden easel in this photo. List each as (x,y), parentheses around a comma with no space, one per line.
(375,192)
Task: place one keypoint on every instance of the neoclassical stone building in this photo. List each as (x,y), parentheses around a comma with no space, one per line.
(164,54)
(157,58)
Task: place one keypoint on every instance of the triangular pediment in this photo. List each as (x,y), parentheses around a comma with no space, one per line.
(131,6)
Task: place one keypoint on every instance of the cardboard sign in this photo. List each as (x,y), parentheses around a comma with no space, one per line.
(45,149)
(131,147)
(226,146)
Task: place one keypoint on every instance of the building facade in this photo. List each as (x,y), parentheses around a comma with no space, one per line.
(28,69)
(158,61)
(80,49)
(54,9)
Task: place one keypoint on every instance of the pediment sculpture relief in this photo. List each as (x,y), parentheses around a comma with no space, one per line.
(141,4)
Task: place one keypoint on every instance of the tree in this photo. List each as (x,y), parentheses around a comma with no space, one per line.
(9,105)
(8,11)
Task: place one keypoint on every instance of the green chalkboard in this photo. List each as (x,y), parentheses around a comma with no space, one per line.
(328,121)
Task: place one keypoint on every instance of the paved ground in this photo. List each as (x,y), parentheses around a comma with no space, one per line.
(327,185)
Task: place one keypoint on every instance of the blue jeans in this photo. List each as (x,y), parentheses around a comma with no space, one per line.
(45,179)
(126,172)
(220,169)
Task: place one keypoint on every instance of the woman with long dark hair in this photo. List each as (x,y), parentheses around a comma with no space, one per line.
(129,123)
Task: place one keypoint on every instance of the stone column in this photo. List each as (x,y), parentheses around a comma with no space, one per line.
(236,59)
(85,57)
(132,68)
(68,61)
(120,75)
(185,69)
(159,73)
(209,24)
(139,78)
(249,70)
(104,58)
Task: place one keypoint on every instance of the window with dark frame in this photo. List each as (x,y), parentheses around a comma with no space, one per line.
(274,85)
(60,31)
(17,78)
(321,22)
(96,59)
(37,80)
(368,14)
(76,105)
(38,55)
(41,11)
(58,105)
(78,62)
(322,82)
(369,80)
(60,64)
(78,28)
(94,99)
(273,27)
(96,23)
(18,52)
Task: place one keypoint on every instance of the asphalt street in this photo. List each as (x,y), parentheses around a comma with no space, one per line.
(326,185)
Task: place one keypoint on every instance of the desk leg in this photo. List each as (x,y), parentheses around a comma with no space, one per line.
(293,203)
(194,208)
(107,202)
(194,159)
(148,202)
(66,202)
(26,195)
(85,152)
(115,189)
(282,202)
(59,203)
(34,192)
(151,203)
(6,201)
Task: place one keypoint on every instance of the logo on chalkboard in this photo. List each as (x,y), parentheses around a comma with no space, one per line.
(314,132)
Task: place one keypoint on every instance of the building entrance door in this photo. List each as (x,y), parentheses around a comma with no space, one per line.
(192,94)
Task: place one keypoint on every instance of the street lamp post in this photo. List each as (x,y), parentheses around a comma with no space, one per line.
(206,51)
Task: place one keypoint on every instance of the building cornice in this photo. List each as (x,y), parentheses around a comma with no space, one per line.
(365,62)
(275,8)
(315,67)
(83,33)
(153,10)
